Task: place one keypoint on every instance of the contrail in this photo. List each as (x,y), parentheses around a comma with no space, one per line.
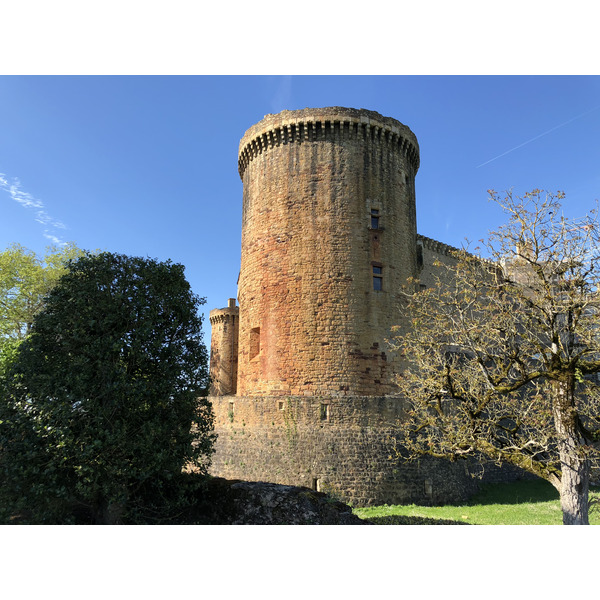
(538,136)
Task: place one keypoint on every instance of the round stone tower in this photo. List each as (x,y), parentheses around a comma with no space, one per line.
(328,242)
(224,349)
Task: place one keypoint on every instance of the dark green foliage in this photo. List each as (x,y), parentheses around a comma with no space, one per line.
(102,402)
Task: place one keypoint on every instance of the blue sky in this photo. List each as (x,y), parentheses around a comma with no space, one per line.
(147,165)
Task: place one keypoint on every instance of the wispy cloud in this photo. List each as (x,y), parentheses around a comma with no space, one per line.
(29,202)
(537,137)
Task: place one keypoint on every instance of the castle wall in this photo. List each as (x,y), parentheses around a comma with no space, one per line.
(341,446)
(431,252)
(328,209)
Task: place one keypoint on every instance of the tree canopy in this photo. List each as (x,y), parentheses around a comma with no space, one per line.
(102,404)
(503,351)
(25,280)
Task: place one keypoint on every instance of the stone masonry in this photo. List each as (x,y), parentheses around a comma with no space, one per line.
(328,205)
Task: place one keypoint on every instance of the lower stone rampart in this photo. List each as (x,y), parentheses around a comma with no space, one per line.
(338,445)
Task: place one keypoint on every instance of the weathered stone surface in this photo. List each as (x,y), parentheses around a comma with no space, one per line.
(224,349)
(258,503)
(311,321)
(344,450)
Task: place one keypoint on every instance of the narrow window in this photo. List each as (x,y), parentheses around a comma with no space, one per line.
(374,218)
(324,412)
(377,278)
(254,342)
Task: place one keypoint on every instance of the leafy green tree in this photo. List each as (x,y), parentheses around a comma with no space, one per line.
(25,279)
(102,407)
(504,352)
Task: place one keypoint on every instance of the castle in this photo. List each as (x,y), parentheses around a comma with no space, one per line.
(303,382)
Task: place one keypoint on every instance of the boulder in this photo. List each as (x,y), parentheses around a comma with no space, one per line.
(233,502)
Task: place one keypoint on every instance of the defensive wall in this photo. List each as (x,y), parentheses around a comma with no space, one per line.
(342,446)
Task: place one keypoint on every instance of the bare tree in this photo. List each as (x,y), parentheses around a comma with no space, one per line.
(503,352)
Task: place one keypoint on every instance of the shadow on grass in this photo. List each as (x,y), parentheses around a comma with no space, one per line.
(402,520)
(517,492)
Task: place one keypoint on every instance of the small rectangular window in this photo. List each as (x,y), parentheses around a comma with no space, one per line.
(324,413)
(374,218)
(377,278)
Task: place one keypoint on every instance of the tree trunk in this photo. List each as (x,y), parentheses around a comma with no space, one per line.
(575,466)
(111,513)
(575,483)
(108,510)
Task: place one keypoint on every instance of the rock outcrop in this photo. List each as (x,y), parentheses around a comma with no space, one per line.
(233,502)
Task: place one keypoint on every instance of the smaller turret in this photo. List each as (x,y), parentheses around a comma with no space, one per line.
(224,349)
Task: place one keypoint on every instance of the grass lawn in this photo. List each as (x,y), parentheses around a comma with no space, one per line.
(518,503)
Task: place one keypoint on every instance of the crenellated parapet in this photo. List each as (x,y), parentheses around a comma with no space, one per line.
(435,246)
(327,124)
(222,315)
(442,249)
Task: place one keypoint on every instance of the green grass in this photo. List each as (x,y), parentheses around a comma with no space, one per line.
(518,503)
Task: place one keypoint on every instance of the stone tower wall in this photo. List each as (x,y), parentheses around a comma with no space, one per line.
(311,321)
